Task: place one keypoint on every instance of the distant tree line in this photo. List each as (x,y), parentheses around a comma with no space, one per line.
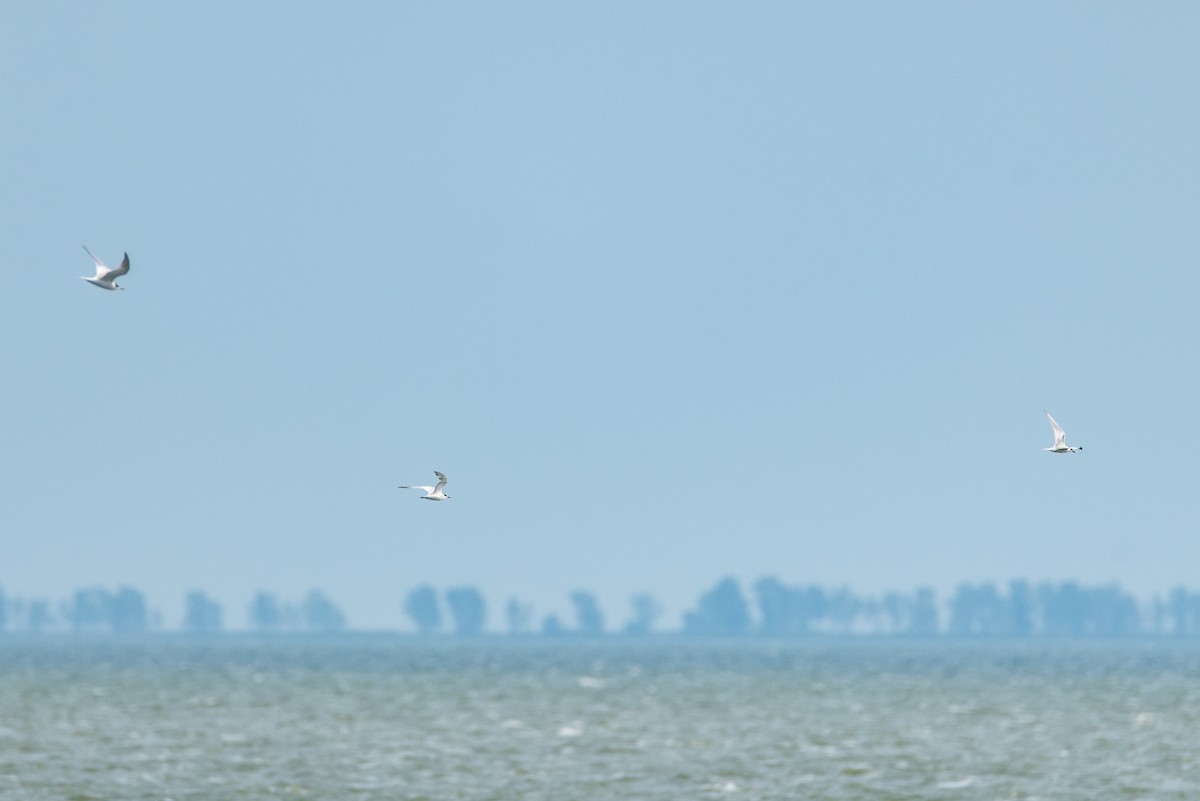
(96,610)
(1022,609)
(771,608)
(468,613)
(314,613)
(89,610)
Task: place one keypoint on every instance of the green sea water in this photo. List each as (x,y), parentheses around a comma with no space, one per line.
(394,718)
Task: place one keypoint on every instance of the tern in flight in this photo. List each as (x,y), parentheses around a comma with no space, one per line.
(432,493)
(106,277)
(1060,439)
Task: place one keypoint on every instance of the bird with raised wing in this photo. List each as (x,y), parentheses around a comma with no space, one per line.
(106,277)
(1060,438)
(431,493)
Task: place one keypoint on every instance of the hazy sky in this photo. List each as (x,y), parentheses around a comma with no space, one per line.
(669,290)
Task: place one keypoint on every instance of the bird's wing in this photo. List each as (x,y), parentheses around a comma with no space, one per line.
(102,269)
(441,480)
(124,268)
(1060,436)
(93,255)
(428,490)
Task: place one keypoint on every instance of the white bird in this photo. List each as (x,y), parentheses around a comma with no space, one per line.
(106,277)
(1060,439)
(431,493)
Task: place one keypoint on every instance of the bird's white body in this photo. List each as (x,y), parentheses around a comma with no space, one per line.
(432,493)
(106,277)
(1060,439)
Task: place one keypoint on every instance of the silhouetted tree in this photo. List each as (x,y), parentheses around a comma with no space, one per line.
(1113,613)
(467,608)
(1184,611)
(1063,609)
(844,608)
(518,616)
(90,610)
(587,613)
(896,610)
(202,615)
(778,607)
(422,607)
(789,611)
(722,612)
(552,626)
(646,610)
(265,612)
(1021,609)
(128,611)
(320,614)
(3,611)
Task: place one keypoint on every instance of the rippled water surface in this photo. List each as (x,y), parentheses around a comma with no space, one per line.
(379,718)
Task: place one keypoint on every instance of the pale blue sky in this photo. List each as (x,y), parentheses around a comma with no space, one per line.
(669,290)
